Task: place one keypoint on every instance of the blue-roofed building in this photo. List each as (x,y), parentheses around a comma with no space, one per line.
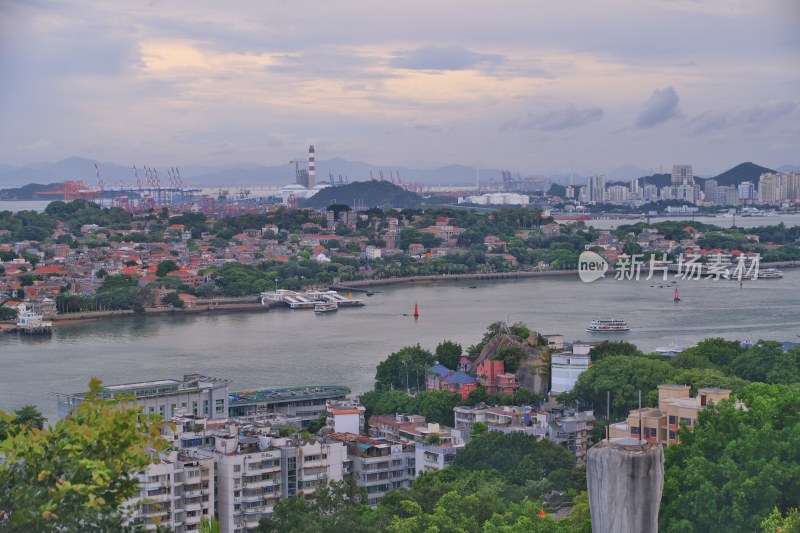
(435,375)
(459,382)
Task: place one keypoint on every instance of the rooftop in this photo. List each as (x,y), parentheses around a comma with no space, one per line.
(285,394)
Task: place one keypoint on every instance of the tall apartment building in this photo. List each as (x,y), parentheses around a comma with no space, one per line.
(747,191)
(774,188)
(596,188)
(617,194)
(727,195)
(710,191)
(177,492)
(682,175)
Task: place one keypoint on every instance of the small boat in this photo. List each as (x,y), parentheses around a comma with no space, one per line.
(676,298)
(603,325)
(670,350)
(472,287)
(325,307)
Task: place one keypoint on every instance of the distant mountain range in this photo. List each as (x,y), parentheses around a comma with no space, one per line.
(254,175)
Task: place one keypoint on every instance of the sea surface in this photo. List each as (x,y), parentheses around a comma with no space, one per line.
(285,347)
(23,205)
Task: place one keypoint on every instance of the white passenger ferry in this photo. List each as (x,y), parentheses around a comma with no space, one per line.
(608,324)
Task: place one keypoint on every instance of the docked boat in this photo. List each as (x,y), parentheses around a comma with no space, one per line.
(603,325)
(769,273)
(670,350)
(325,307)
(33,323)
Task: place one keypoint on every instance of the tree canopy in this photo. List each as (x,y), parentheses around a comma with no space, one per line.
(75,475)
(737,465)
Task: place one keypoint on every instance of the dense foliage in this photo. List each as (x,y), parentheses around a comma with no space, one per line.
(737,465)
(478,497)
(712,363)
(75,475)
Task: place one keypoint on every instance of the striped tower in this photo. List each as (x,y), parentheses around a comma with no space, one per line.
(312,172)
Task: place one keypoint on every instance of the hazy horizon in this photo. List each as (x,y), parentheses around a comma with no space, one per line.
(534,88)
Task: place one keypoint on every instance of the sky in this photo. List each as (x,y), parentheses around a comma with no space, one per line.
(532,86)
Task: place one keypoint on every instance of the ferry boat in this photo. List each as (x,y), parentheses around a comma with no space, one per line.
(608,324)
(769,273)
(325,307)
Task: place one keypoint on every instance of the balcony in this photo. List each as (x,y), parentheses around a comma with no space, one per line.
(190,507)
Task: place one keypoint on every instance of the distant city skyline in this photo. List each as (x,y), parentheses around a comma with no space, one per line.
(535,88)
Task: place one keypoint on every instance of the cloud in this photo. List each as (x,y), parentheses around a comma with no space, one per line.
(569,117)
(443,58)
(753,117)
(659,108)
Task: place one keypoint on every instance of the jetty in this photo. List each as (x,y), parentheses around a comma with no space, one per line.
(32,323)
(309,299)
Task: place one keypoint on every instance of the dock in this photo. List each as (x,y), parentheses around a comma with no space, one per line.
(309,299)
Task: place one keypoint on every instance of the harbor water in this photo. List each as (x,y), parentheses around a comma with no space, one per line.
(284,347)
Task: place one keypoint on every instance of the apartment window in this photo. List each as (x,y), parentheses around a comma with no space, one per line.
(219,405)
(673,419)
(205,407)
(687,421)
(194,408)
(671,435)
(634,431)
(237,468)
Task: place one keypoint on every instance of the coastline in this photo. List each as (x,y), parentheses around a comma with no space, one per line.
(357,285)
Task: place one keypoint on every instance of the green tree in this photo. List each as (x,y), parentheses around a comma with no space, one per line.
(624,377)
(339,506)
(172,298)
(519,458)
(73,476)
(448,353)
(28,416)
(405,369)
(6,313)
(512,356)
(165,267)
(775,523)
(605,348)
(736,465)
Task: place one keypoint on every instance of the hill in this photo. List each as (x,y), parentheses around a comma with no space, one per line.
(367,193)
(30,192)
(742,172)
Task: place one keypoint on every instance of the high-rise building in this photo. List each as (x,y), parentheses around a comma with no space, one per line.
(596,188)
(771,189)
(617,194)
(747,191)
(682,175)
(711,189)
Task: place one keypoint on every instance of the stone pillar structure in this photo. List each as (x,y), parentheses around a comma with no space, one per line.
(625,478)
